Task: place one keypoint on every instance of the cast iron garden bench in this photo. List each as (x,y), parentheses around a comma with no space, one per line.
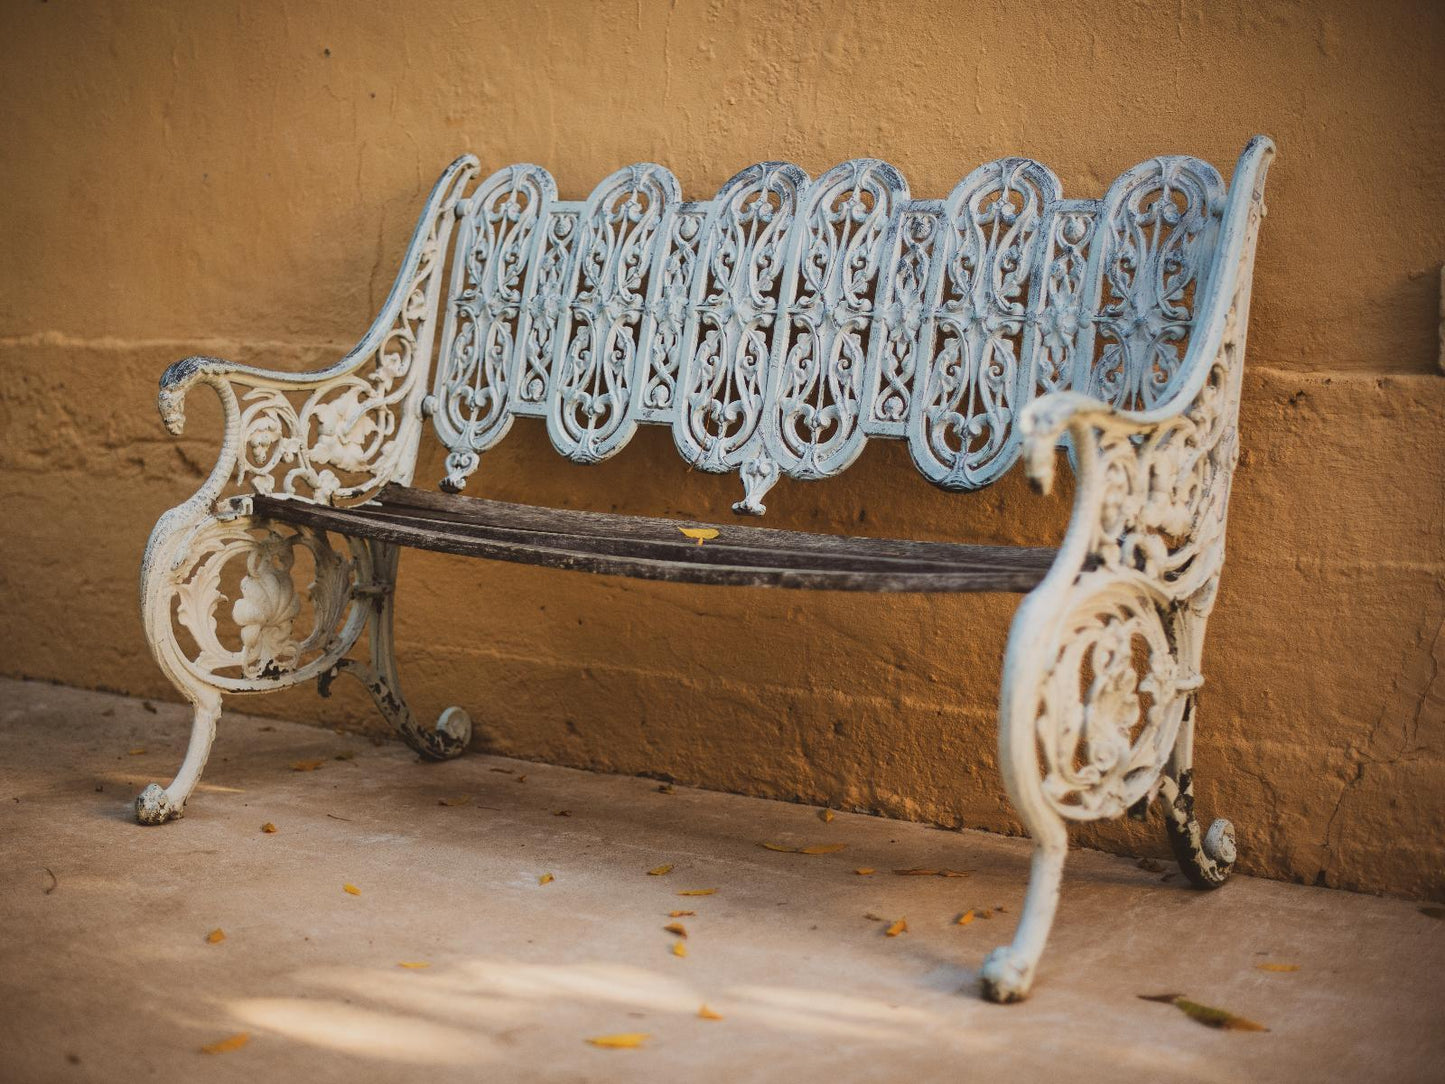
(775,329)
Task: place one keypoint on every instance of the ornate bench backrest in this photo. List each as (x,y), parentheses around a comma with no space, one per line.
(778,326)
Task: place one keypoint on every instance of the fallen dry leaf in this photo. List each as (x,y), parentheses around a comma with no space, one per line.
(351,890)
(269,828)
(1433,911)
(964,919)
(901,926)
(664,788)
(680,914)
(464,799)
(545,879)
(677,928)
(412,965)
(562,813)
(1277,967)
(135,752)
(873,917)
(825,815)
(148,706)
(1148,865)
(817,848)
(707,1014)
(1207,1015)
(216,936)
(225,1046)
(697,892)
(660,871)
(504,771)
(865,871)
(521,779)
(54,880)
(700,534)
(679,949)
(306,765)
(919,872)
(625,1040)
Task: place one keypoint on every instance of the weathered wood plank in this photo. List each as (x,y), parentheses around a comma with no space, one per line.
(642,547)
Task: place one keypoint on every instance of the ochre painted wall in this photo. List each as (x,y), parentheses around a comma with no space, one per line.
(241,179)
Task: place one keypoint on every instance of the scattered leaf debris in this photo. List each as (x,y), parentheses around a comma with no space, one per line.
(412,965)
(816,848)
(54,880)
(216,936)
(677,928)
(503,771)
(140,752)
(697,892)
(865,871)
(1207,1015)
(679,949)
(874,917)
(562,813)
(918,871)
(228,1044)
(965,918)
(269,828)
(699,534)
(545,879)
(1277,967)
(625,1040)
(825,815)
(351,890)
(306,765)
(901,926)
(664,788)
(465,799)
(707,1014)
(521,779)
(680,914)
(1148,865)
(660,871)
(148,706)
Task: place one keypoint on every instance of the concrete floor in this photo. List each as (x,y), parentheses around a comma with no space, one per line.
(106,973)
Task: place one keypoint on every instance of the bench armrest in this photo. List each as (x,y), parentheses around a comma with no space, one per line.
(338,434)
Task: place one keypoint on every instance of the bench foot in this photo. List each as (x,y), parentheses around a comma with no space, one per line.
(157,804)
(1205,857)
(1008,971)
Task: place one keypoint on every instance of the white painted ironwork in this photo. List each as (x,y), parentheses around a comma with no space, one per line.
(775,329)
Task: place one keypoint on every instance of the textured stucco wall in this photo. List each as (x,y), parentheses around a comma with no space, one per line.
(240,179)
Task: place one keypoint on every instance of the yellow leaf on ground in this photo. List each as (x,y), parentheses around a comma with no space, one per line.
(707,1014)
(865,871)
(545,879)
(901,926)
(697,892)
(625,1040)
(216,936)
(135,752)
(412,965)
(677,928)
(660,871)
(351,890)
(679,949)
(699,534)
(680,914)
(464,799)
(817,848)
(964,919)
(269,828)
(1207,1015)
(1277,967)
(306,765)
(225,1046)
(954,872)
(825,815)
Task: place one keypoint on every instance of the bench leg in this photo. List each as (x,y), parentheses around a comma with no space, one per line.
(195,562)
(1206,858)
(1008,971)
(453,730)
